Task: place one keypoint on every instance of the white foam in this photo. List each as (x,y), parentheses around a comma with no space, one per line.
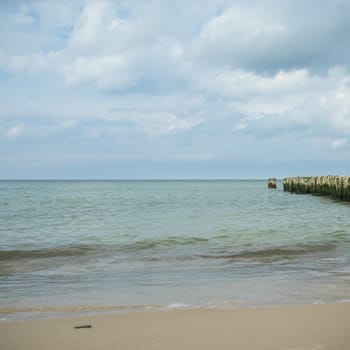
(178,306)
(342,301)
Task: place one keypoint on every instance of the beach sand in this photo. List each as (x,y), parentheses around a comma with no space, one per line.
(309,327)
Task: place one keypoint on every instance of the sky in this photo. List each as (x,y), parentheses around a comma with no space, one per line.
(151,89)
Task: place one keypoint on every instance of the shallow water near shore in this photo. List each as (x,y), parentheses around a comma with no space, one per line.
(138,244)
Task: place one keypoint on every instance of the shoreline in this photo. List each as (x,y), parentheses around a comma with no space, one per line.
(297,327)
(47,312)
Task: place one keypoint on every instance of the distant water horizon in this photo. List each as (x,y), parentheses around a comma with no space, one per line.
(91,244)
(137,179)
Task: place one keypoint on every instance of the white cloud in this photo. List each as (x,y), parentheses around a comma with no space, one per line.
(106,71)
(70,123)
(22,17)
(338,143)
(165,123)
(14,132)
(239,84)
(94,22)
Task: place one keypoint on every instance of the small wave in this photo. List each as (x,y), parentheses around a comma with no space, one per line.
(273,252)
(199,248)
(65,251)
(165,242)
(73,309)
(91,249)
(339,235)
(265,254)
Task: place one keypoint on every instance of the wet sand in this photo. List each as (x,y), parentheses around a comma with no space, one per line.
(309,327)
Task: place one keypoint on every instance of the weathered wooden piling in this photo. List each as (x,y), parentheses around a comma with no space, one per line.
(271,183)
(337,187)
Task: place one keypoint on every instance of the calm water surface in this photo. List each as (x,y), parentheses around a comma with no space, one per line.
(169,244)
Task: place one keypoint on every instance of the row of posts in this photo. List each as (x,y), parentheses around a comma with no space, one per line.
(337,187)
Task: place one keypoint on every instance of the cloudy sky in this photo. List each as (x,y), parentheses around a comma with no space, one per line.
(174,89)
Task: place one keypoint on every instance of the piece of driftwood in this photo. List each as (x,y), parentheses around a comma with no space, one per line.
(83,326)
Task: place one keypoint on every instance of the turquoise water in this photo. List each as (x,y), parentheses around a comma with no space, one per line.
(169,244)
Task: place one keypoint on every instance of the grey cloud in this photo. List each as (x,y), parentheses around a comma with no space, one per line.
(267,36)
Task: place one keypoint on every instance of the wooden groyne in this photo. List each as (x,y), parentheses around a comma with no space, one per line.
(271,183)
(337,187)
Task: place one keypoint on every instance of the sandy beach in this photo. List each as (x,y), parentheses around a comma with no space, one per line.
(310,327)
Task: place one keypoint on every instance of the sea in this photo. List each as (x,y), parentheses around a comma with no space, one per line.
(103,246)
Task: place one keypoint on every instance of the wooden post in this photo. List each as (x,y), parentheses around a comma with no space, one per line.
(272,183)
